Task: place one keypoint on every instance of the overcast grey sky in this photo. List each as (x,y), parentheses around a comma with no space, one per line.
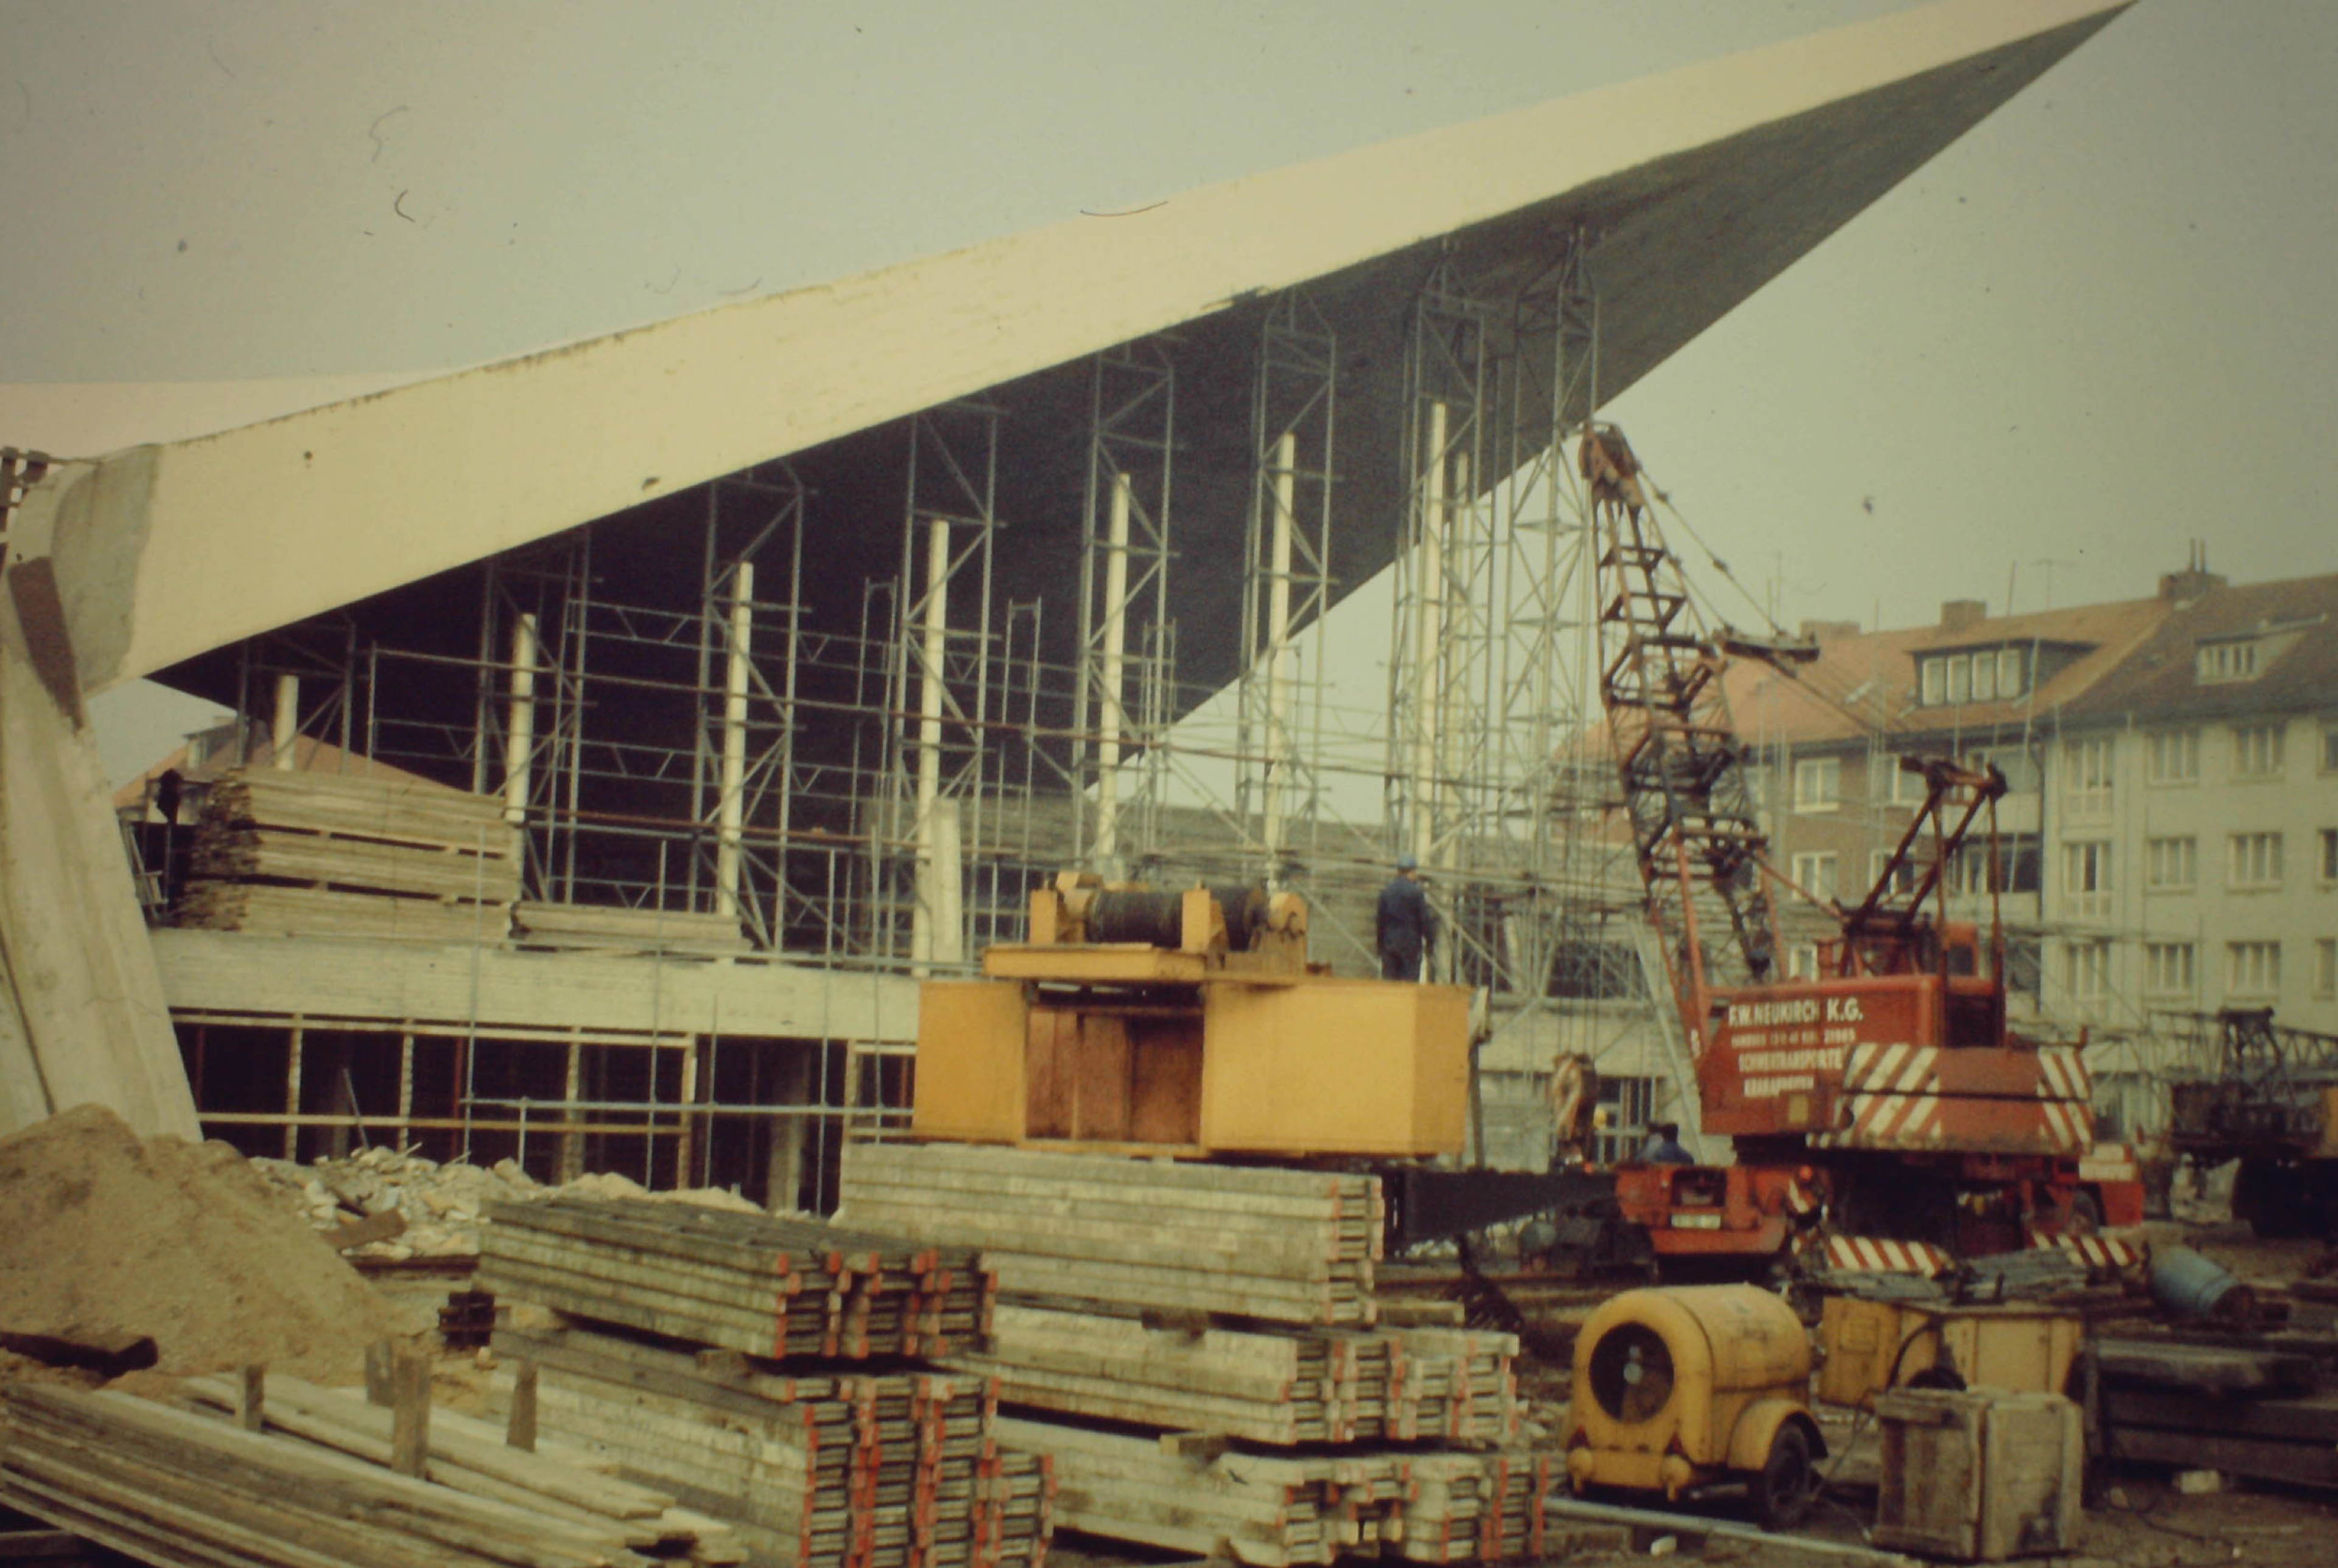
(2104,323)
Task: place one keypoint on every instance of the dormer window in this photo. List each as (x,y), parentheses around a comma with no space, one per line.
(2234,659)
(1971,675)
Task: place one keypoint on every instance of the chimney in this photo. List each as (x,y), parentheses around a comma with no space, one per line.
(1829,631)
(2191,584)
(1956,614)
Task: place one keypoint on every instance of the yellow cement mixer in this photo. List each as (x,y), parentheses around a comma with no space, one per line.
(1679,1389)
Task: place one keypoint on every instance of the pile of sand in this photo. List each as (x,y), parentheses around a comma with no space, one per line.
(183,1242)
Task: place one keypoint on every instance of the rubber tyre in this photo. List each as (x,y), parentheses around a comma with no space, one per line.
(1788,1484)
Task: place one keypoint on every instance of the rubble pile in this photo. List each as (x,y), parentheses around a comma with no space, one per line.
(443,1205)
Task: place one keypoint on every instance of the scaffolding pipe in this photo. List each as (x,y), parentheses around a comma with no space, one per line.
(931,693)
(519,723)
(1429,627)
(1107,852)
(731,808)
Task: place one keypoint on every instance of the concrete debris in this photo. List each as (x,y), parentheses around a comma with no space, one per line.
(443,1205)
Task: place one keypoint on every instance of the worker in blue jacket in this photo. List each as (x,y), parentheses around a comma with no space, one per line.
(1405,928)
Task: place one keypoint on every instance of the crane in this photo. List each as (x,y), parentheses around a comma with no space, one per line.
(1883,1100)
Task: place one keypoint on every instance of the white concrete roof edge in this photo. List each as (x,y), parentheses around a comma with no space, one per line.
(250,528)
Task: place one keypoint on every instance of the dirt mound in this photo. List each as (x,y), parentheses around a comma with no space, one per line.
(180,1241)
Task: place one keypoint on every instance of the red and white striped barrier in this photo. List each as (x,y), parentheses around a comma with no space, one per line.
(1873,1255)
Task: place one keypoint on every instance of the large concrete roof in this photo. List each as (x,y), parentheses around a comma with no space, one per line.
(1700,186)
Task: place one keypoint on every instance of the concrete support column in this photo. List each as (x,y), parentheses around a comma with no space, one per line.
(1280,655)
(284,728)
(924,923)
(1112,712)
(731,811)
(519,722)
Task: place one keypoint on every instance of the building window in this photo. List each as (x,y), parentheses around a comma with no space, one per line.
(1907,789)
(1818,783)
(2330,854)
(2170,865)
(2017,764)
(2252,861)
(2252,968)
(2235,661)
(1802,960)
(2025,965)
(1814,874)
(2329,750)
(2326,965)
(1983,675)
(2256,751)
(2016,866)
(2172,757)
(1903,880)
(2167,968)
(2087,785)
(2086,877)
(2087,969)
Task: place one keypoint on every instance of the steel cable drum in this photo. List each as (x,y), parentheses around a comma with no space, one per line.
(1137,914)
(1244,908)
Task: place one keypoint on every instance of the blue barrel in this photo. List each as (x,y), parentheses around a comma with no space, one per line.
(2188,1284)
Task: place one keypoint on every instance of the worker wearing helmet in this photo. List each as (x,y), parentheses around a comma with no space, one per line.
(1404,926)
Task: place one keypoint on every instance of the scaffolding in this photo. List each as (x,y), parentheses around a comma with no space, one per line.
(879,800)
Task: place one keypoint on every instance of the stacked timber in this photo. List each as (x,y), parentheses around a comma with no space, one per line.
(1269,1385)
(1273,1510)
(1271,1245)
(603,928)
(173,1487)
(350,854)
(1197,1347)
(756,1283)
(884,1470)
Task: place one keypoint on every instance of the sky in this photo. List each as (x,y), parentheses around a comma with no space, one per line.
(2101,325)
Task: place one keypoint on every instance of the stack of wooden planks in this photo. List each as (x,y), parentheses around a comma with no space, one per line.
(351,855)
(878,1470)
(1275,1510)
(605,928)
(2256,1406)
(1271,1245)
(1280,1387)
(754,1283)
(173,1487)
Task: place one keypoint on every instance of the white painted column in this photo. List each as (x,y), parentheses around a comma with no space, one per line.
(1280,655)
(1429,637)
(1111,713)
(519,722)
(923,923)
(731,811)
(284,730)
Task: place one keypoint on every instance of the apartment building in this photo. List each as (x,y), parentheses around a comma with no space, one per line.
(2169,843)
(1828,738)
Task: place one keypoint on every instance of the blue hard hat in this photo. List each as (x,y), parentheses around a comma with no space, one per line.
(1408,863)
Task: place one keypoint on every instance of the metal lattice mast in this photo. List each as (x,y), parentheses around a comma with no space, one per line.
(1438,653)
(1123,586)
(941,685)
(1286,578)
(1694,833)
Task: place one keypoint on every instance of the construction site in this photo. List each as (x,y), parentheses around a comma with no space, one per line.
(1047,902)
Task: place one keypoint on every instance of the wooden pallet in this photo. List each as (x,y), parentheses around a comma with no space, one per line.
(269,909)
(605,928)
(365,807)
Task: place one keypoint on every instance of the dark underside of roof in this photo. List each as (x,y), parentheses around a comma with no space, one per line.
(1675,244)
